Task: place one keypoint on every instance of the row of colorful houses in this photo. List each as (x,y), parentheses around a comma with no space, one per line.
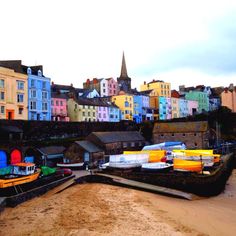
(25,93)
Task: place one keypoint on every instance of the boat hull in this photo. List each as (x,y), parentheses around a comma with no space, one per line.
(5,183)
(71,165)
(159,167)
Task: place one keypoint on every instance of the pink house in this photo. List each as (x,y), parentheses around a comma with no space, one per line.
(192,107)
(102,113)
(59,107)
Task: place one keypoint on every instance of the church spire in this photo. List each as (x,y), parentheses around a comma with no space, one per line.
(123,73)
(124,81)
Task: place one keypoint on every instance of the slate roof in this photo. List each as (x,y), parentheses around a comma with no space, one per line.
(118,136)
(88,146)
(17,66)
(180,127)
(58,95)
(50,150)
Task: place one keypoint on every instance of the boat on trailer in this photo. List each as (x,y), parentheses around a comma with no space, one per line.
(20,173)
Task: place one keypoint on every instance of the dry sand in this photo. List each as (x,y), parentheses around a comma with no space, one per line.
(97,209)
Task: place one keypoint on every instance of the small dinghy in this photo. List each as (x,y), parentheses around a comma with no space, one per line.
(157,167)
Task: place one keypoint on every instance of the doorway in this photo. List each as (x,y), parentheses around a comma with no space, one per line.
(9,114)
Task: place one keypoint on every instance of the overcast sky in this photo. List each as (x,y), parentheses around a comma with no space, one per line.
(181,42)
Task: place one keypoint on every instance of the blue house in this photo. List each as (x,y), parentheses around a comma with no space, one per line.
(114,112)
(183,107)
(138,109)
(39,94)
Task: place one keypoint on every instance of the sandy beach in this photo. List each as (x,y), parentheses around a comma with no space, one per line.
(98,209)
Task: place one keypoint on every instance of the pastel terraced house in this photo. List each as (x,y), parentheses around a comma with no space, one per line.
(159,87)
(81,109)
(39,94)
(125,102)
(108,87)
(13,94)
(59,107)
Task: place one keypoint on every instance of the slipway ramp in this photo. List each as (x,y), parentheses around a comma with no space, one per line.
(149,187)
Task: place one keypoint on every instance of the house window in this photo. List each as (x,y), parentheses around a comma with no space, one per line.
(104,115)
(83,113)
(195,134)
(61,103)
(44,85)
(2,95)
(132,144)
(52,102)
(2,83)
(33,93)
(125,145)
(20,97)
(99,115)
(88,113)
(57,103)
(44,106)
(33,105)
(104,90)
(20,85)
(20,111)
(44,95)
(2,110)
(75,105)
(93,114)
(183,134)
(32,83)
(44,117)
(172,135)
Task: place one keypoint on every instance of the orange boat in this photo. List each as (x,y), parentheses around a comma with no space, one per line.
(185,165)
(21,173)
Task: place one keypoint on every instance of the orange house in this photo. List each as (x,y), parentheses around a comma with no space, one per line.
(13,95)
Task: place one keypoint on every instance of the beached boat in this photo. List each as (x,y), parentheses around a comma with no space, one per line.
(157,167)
(70,165)
(186,165)
(154,155)
(21,173)
(206,156)
(124,165)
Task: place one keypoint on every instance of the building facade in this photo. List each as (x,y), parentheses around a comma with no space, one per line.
(201,97)
(195,135)
(125,102)
(228,98)
(59,107)
(39,94)
(13,95)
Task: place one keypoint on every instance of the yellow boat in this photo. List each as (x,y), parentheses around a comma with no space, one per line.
(21,173)
(184,165)
(203,153)
(154,155)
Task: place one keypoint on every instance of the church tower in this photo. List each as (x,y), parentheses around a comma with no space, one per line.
(124,82)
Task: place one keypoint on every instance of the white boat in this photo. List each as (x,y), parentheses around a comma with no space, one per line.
(165,146)
(70,165)
(157,167)
(124,165)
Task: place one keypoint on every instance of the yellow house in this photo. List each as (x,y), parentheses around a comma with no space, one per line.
(81,110)
(158,87)
(126,104)
(13,95)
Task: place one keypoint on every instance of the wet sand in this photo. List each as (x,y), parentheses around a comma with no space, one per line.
(97,209)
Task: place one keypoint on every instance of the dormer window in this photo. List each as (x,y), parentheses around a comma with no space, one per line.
(39,73)
(29,71)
